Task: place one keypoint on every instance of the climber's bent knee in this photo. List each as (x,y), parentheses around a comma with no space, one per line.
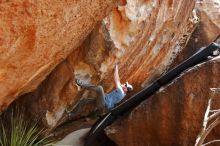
(100,88)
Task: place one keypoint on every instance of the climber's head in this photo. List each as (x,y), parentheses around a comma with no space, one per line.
(127,87)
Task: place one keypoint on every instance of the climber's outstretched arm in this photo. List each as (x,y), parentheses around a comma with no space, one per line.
(116,77)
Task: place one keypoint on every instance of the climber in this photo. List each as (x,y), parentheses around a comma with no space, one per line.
(108,101)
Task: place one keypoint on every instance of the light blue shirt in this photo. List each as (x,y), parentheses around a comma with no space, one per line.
(114,97)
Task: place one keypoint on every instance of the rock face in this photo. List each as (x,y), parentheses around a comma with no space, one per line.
(211,8)
(37,35)
(59,41)
(206,30)
(174,115)
(143,36)
(210,14)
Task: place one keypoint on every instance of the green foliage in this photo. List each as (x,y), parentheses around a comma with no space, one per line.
(16,131)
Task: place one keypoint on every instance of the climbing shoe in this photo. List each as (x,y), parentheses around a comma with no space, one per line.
(79,82)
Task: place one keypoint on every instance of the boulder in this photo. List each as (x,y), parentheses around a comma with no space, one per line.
(143,36)
(206,30)
(38,35)
(174,115)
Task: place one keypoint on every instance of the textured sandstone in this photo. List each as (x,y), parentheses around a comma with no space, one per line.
(206,30)
(210,16)
(37,35)
(211,8)
(174,115)
(143,36)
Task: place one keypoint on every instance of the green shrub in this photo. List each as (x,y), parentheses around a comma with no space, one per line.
(16,131)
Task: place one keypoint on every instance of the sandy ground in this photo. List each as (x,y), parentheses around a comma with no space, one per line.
(74,139)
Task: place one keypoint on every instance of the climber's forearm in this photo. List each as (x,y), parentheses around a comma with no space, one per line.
(116,76)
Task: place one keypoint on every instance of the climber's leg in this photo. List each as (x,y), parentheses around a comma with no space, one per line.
(78,107)
(100,100)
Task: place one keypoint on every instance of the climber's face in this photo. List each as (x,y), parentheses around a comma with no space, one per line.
(124,88)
